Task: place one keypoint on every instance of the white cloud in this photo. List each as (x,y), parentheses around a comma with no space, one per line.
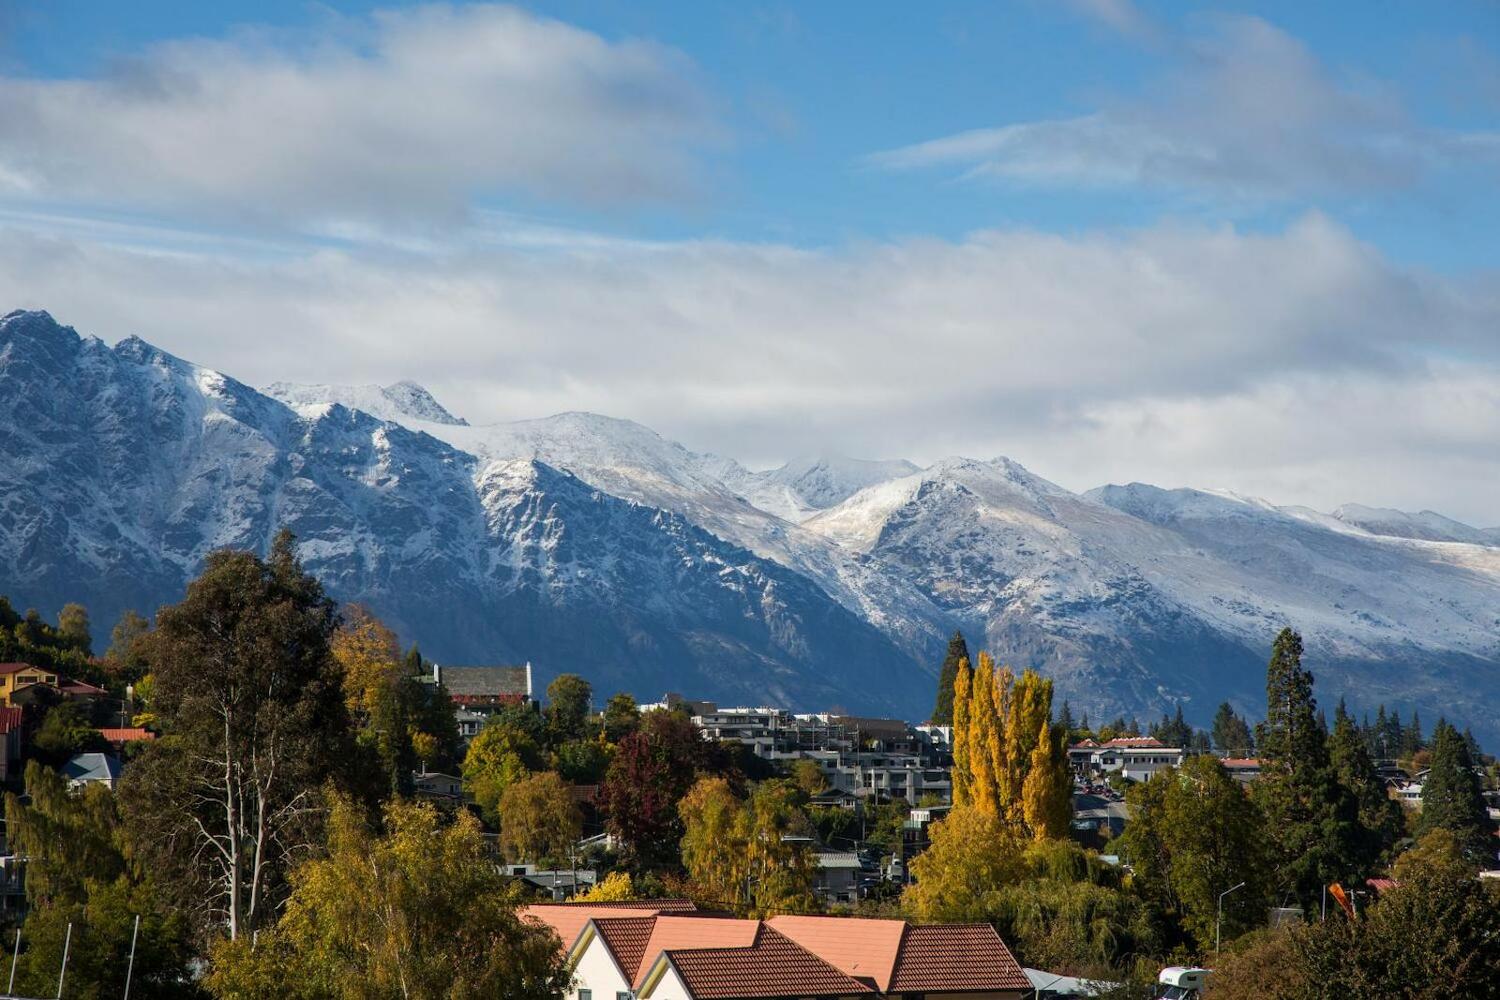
(405,117)
(1300,364)
(1246,112)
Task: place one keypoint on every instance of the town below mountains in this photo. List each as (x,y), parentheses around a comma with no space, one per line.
(581,543)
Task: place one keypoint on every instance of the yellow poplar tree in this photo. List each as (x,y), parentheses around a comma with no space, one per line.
(1048,795)
(962,683)
(1030,708)
(982,734)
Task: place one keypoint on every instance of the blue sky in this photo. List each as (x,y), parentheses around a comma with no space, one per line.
(1135,236)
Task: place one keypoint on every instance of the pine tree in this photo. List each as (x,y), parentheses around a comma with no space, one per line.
(958,652)
(1231,734)
(1065,719)
(1451,798)
(1311,818)
(1411,737)
(1380,817)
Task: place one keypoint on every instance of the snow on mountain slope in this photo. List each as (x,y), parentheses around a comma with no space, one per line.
(126,466)
(804,486)
(1426,525)
(631,461)
(400,402)
(582,542)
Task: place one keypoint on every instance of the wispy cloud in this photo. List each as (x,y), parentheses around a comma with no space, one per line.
(403,117)
(1245,111)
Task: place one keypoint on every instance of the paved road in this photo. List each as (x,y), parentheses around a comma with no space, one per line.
(1092,806)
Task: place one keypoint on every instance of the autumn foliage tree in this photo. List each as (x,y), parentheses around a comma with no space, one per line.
(539,822)
(651,771)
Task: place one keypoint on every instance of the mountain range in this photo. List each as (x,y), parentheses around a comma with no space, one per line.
(592,545)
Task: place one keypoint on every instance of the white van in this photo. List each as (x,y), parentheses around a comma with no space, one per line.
(1179,982)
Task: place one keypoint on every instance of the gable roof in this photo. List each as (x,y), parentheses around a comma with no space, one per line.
(128,734)
(950,958)
(17,667)
(677,933)
(568,921)
(91,767)
(774,966)
(862,947)
(626,938)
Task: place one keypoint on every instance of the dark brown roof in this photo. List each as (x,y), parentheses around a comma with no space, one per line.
(14,668)
(952,958)
(654,905)
(486,682)
(774,966)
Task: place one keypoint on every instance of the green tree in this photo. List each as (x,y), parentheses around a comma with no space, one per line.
(621,717)
(1194,833)
(128,655)
(582,762)
(77,872)
(958,652)
(73,628)
(66,730)
(1231,734)
(1380,820)
(1452,799)
(251,701)
(500,755)
(568,704)
(417,912)
(539,822)
(1311,819)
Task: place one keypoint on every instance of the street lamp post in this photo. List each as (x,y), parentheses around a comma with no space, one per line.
(1219,921)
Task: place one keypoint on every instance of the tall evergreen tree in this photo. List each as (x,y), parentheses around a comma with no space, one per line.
(1231,734)
(1065,718)
(1451,798)
(958,652)
(1310,817)
(1380,818)
(1412,739)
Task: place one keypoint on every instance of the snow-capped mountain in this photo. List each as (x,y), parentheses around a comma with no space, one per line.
(589,544)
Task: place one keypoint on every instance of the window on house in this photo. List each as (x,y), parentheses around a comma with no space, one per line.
(585,995)
(624,996)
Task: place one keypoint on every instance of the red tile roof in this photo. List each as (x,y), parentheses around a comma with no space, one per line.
(952,958)
(858,946)
(775,966)
(567,921)
(1127,742)
(127,735)
(676,933)
(626,938)
(11,719)
(672,905)
(1240,762)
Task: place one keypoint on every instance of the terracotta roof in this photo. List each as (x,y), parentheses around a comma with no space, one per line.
(1127,742)
(127,735)
(567,921)
(626,938)
(953,958)
(775,966)
(858,946)
(1087,743)
(677,933)
(1240,762)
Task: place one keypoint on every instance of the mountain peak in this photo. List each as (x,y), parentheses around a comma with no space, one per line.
(403,402)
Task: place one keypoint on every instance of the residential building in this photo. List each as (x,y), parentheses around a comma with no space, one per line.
(1135,757)
(92,768)
(436,785)
(880,774)
(1243,769)
(118,737)
(19,675)
(837,877)
(770,967)
(480,692)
